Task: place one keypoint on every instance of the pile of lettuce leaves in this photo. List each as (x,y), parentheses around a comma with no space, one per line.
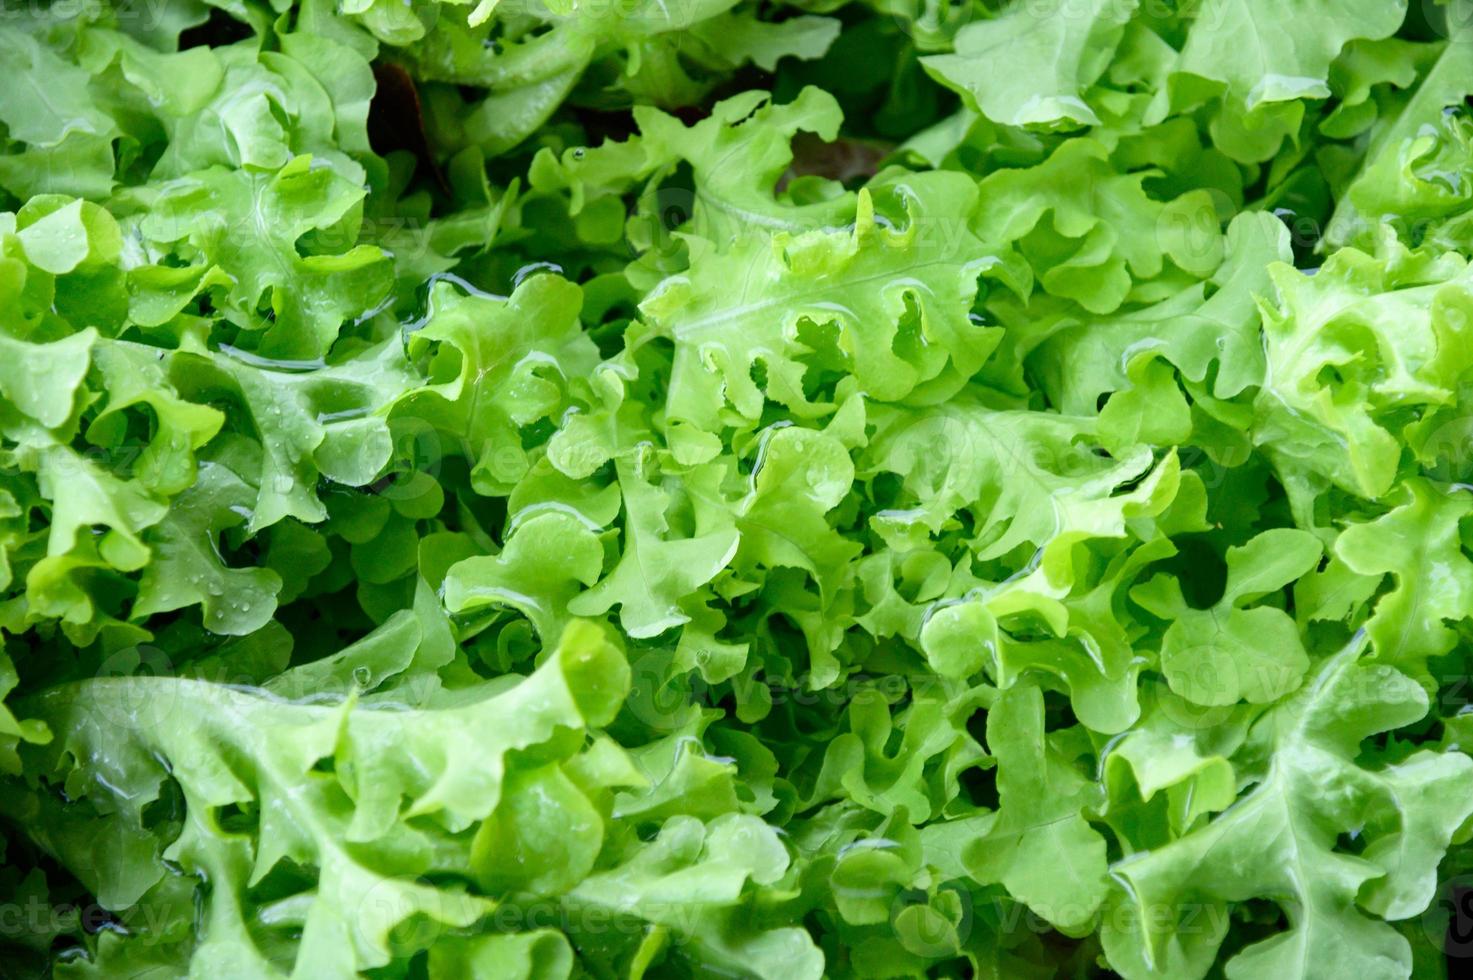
(735,488)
